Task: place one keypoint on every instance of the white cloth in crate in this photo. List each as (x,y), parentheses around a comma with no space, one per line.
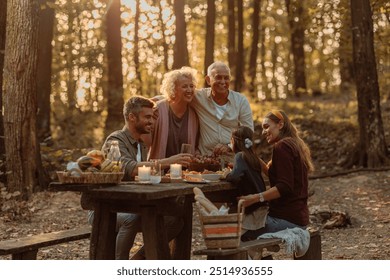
(254,220)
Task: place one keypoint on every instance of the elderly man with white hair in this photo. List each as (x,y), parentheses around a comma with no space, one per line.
(220,111)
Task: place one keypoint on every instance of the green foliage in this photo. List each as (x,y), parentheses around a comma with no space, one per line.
(79,67)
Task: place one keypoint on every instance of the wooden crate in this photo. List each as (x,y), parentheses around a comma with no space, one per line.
(222,231)
(90,178)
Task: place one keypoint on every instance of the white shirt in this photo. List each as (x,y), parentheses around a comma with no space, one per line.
(214,130)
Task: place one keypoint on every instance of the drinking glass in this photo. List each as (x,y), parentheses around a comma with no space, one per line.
(185,148)
(155,173)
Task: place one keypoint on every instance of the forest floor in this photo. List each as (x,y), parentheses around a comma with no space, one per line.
(358,201)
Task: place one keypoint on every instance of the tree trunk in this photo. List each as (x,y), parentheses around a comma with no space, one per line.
(345,51)
(371,150)
(297,29)
(20,101)
(210,35)
(264,79)
(231,37)
(240,47)
(46,21)
(180,56)
(114,120)
(254,49)
(3,18)
(163,40)
(136,50)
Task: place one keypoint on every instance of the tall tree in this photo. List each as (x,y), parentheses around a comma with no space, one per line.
(254,48)
(296,22)
(114,120)
(3,18)
(345,49)
(180,56)
(136,48)
(163,40)
(46,21)
(20,101)
(240,47)
(231,36)
(372,149)
(210,35)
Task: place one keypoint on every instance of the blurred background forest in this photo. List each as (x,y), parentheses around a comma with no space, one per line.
(88,56)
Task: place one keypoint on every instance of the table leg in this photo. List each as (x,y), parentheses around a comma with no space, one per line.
(103,236)
(181,249)
(154,234)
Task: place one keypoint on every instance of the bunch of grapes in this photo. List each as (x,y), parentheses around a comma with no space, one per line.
(208,159)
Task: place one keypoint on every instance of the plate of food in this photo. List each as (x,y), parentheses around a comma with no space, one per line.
(211,176)
(195,179)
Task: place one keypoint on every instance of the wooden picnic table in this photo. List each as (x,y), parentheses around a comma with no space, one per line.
(152,202)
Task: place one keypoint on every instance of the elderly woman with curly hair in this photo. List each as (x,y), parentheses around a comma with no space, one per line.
(177,122)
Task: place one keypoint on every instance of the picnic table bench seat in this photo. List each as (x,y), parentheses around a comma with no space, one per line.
(26,248)
(255,249)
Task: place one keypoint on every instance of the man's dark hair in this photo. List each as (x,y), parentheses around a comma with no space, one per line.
(134,105)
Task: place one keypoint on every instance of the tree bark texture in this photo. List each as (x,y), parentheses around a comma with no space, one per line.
(114,120)
(345,50)
(180,48)
(231,36)
(210,35)
(254,48)
(136,49)
(3,18)
(46,21)
(163,40)
(372,148)
(20,100)
(297,29)
(240,47)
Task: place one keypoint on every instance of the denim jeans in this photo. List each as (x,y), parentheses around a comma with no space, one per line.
(271,225)
(127,226)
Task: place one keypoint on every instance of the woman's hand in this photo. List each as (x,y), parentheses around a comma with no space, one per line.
(183,159)
(249,199)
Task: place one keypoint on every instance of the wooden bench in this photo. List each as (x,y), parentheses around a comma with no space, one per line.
(256,247)
(26,248)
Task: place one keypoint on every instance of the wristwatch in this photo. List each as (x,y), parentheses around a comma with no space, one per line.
(261,197)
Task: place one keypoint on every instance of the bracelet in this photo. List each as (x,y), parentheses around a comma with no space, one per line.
(261,197)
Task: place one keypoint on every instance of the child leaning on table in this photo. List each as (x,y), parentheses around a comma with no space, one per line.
(246,176)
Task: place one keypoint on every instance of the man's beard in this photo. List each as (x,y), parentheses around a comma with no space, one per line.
(141,128)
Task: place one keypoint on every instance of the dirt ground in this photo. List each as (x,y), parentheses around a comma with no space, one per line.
(363,197)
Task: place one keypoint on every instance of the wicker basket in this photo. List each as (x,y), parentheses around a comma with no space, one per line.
(90,178)
(222,231)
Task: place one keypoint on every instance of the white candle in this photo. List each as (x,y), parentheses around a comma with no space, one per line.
(144,173)
(175,170)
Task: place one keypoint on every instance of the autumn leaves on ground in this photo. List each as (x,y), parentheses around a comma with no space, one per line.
(331,131)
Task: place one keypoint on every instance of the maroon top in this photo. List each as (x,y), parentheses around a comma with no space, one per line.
(288,174)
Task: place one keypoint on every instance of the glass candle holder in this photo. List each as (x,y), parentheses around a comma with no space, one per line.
(144,173)
(155,173)
(175,171)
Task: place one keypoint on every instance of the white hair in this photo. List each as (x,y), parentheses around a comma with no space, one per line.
(215,65)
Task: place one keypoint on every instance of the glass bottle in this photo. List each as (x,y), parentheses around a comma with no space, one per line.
(115,154)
